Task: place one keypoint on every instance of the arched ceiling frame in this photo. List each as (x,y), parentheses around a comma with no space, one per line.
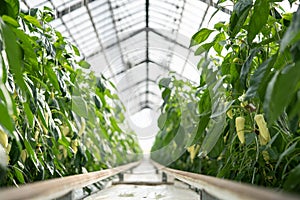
(117,26)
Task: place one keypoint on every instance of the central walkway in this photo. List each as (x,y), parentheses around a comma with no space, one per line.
(144,183)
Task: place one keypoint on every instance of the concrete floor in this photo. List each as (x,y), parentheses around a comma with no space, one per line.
(143,174)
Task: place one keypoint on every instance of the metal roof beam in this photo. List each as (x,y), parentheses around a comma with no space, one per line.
(136,84)
(97,35)
(69,32)
(124,39)
(142,105)
(137,32)
(150,61)
(168,39)
(147,49)
(209,3)
(79,5)
(73,7)
(140,108)
(144,93)
(177,34)
(116,30)
(215,5)
(124,70)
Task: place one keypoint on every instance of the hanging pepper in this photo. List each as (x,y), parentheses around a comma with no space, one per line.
(240,126)
(264,135)
(193,150)
(3,139)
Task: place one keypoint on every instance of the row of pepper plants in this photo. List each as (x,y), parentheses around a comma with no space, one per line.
(56,117)
(245,125)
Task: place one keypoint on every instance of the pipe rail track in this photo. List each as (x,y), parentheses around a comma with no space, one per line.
(59,187)
(209,187)
(216,188)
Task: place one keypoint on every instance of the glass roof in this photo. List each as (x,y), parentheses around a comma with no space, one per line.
(135,42)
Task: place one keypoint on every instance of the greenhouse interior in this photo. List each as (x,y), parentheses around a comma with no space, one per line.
(150,99)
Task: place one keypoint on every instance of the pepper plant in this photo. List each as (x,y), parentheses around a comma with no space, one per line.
(57,118)
(248,108)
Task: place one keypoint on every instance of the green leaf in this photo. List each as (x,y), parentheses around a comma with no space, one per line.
(220,107)
(203,48)
(84,64)
(166,94)
(10,8)
(292,182)
(30,116)
(293,32)
(33,11)
(246,66)
(218,26)
(19,175)
(258,18)
(203,122)
(200,36)
(15,151)
(40,112)
(164,82)
(29,53)
(238,16)
(31,153)
(13,53)
(33,21)
(219,42)
(79,106)
(97,101)
(76,51)
(260,74)
(288,151)
(161,120)
(115,125)
(215,130)
(5,119)
(11,21)
(52,77)
(280,90)
(205,112)
(7,98)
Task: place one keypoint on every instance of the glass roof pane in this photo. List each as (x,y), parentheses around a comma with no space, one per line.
(112,34)
(177,64)
(137,24)
(116,3)
(156,72)
(98,63)
(58,3)
(100,11)
(33,4)
(135,42)
(191,73)
(126,9)
(74,16)
(67,4)
(135,57)
(128,18)
(108,39)
(128,37)
(91,46)
(98,6)
(104,27)
(56,23)
(156,22)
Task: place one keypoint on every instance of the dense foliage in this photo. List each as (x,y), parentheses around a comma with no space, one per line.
(247,124)
(55,118)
